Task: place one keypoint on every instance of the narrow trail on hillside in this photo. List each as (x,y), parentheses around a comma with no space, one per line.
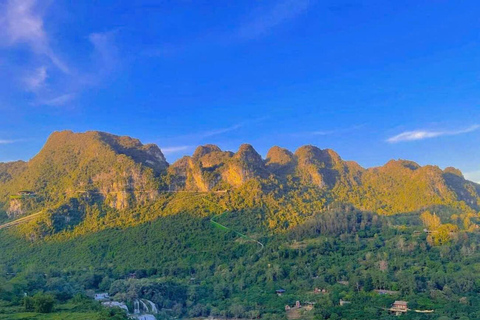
(19,221)
(225,228)
(244,236)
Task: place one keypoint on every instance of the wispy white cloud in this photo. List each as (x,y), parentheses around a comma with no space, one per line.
(22,22)
(216,132)
(10,141)
(323,133)
(428,134)
(58,100)
(106,56)
(36,80)
(329,132)
(174,149)
(44,73)
(263,21)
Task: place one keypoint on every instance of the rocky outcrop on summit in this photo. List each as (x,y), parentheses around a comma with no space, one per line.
(121,170)
(201,172)
(246,164)
(319,167)
(280,161)
(210,168)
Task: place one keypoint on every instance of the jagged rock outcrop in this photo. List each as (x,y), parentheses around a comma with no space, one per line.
(246,164)
(317,166)
(280,161)
(15,208)
(201,172)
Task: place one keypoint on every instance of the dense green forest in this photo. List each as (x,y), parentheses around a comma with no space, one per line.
(190,269)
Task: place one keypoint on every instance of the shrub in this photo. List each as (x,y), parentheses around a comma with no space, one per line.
(28,303)
(43,303)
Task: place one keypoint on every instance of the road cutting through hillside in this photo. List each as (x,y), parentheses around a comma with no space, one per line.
(19,221)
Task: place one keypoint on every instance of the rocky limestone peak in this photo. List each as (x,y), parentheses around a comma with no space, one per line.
(204,150)
(332,156)
(154,157)
(279,155)
(454,171)
(280,160)
(249,155)
(400,163)
(311,155)
(124,142)
(307,153)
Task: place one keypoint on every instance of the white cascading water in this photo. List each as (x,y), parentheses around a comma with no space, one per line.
(153,306)
(136,307)
(144,306)
(140,308)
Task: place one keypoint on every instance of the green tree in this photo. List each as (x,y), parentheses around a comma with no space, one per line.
(43,303)
(28,303)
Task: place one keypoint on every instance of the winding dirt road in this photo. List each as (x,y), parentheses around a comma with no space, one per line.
(20,221)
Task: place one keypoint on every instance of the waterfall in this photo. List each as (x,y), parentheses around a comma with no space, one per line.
(145,307)
(153,306)
(136,307)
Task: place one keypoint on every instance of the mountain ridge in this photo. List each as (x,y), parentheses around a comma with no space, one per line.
(121,173)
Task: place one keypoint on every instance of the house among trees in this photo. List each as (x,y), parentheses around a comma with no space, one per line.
(399,307)
(279,292)
(101,296)
(344,302)
(317,291)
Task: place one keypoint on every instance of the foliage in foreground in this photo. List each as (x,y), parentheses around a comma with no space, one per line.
(191,269)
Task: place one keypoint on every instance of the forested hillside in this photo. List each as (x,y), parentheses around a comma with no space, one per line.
(218,232)
(109,176)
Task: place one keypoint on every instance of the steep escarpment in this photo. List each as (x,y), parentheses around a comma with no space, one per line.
(120,169)
(121,174)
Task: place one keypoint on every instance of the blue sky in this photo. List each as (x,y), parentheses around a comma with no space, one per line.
(373,80)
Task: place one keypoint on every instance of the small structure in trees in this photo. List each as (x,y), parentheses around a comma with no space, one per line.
(102,296)
(344,302)
(318,291)
(279,292)
(399,307)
